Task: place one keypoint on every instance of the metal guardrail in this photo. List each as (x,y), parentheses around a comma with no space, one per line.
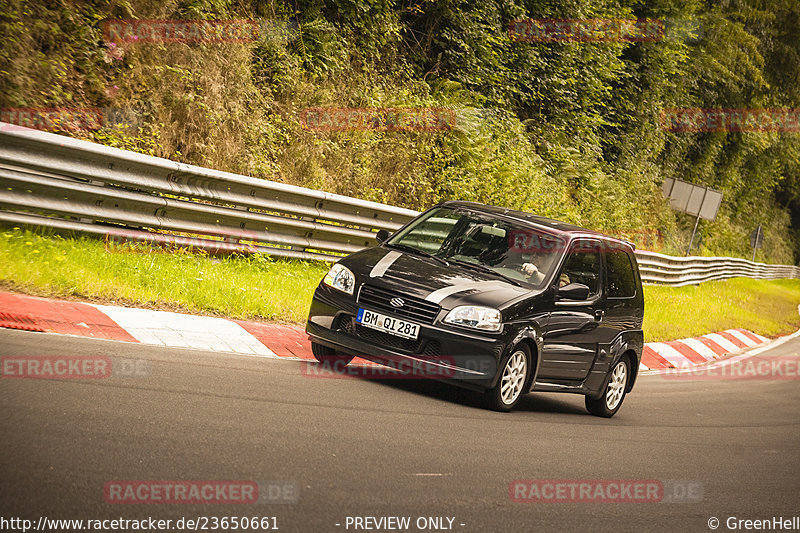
(78,184)
(663,269)
(68,184)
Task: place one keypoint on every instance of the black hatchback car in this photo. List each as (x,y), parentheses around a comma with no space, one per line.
(496,300)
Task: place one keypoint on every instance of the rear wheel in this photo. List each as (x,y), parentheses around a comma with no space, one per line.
(609,403)
(513,377)
(329,356)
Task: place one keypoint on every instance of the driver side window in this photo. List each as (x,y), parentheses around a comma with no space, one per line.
(583,266)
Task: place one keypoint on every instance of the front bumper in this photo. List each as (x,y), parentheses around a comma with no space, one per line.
(468,359)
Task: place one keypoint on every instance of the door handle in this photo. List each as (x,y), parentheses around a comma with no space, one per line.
(598,314)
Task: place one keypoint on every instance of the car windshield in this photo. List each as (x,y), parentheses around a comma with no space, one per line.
(512,250)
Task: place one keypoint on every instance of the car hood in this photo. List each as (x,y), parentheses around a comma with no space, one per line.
(428,279)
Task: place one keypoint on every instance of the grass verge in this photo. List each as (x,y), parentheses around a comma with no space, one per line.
(247,287)
(767,307)
(258,287)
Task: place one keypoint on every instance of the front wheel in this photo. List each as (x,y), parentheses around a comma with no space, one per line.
(328,356)
(510,386)
(609,403)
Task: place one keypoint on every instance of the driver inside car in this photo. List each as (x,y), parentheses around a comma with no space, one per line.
(525,264)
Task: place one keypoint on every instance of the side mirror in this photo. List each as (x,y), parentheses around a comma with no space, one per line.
(574,291)
(382,236)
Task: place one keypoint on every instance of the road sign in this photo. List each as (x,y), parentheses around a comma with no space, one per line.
(695,200)
(702,202)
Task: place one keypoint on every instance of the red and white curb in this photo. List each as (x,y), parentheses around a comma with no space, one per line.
(719,365)
(258,339)
(161,328)
(698,350)
(185,331)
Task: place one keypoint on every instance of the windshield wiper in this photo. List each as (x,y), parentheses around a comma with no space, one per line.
(407,248)
(486,269)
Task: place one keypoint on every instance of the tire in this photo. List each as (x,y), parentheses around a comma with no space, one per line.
(328,356)
(514,377)
(614,393)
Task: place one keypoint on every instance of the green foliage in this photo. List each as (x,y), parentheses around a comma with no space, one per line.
(571,130)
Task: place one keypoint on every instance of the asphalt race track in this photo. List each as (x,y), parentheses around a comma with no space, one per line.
(358,448)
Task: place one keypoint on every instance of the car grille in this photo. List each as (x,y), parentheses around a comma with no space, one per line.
(413,308)
(346,323)
(432,349)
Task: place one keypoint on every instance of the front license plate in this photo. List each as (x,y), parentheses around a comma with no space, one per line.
(387,324)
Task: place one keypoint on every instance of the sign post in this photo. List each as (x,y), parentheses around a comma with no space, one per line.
(696,222)
(756,240)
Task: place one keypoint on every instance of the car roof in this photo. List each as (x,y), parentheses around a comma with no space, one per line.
(563,229)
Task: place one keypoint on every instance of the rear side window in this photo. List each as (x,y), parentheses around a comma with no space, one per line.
(621,280)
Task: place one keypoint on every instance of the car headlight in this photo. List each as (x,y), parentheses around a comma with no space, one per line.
(341,278)
(483,318)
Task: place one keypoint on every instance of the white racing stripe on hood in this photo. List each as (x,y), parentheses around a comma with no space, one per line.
(440,294)
(383,265)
